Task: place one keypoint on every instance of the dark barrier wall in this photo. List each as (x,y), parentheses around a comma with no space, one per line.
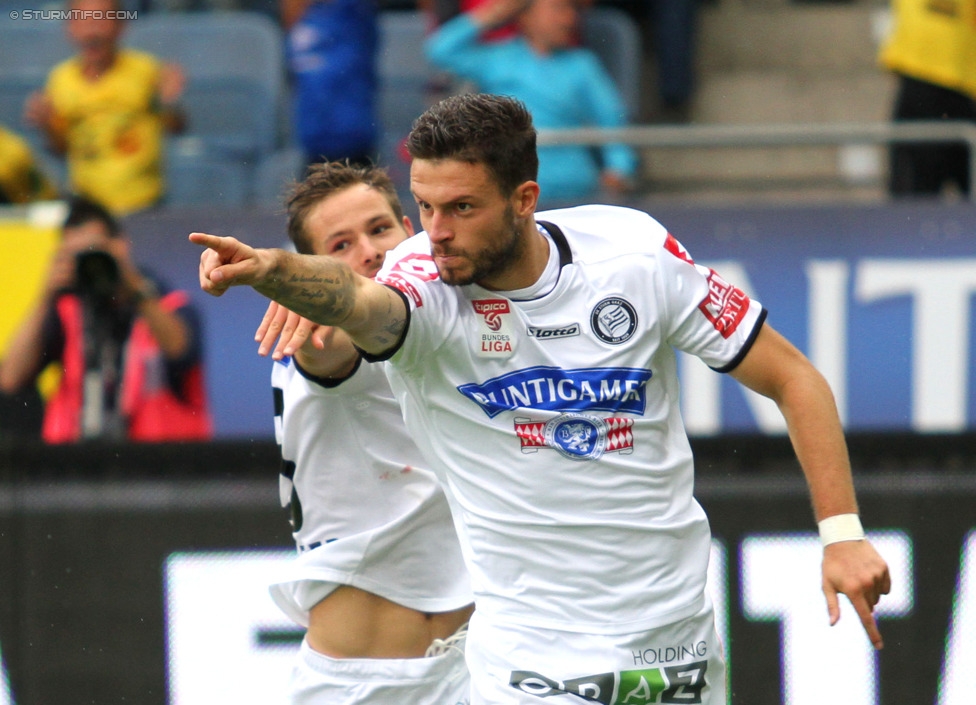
(879,297)
(138,574)
(84,533)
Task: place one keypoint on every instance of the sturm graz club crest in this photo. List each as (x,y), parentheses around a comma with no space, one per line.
(577,436)
(614,320)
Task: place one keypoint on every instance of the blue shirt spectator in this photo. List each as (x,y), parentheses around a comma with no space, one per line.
(332,59)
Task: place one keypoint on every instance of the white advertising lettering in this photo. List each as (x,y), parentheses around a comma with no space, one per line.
(6,698)
(958,680)
(725,305)
(779,580)
(785,584)
(939,293)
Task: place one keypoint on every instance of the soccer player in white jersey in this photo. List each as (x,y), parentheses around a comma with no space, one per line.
(534,360)
(379,579)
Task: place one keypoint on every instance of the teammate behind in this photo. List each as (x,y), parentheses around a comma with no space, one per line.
(379,577)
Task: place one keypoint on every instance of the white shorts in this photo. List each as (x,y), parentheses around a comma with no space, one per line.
(435,680)
(682,662)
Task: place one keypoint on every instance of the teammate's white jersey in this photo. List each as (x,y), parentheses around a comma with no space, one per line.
(555,422)
(365,511)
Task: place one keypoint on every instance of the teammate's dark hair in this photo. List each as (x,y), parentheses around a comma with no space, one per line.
(325,179)
(480,128)
(82,211)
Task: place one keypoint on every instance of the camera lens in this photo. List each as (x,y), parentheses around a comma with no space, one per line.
(98,274)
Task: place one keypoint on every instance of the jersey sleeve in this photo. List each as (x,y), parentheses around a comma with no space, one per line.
(707,316)
(433,307)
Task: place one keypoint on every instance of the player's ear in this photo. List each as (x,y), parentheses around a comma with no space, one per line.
(525,199)
(408,226)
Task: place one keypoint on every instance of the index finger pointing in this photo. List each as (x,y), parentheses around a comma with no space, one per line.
(205,240)
(867,619)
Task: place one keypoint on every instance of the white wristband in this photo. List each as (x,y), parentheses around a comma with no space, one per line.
(841,527)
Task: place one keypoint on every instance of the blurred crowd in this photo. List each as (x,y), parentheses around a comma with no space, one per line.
(106,114)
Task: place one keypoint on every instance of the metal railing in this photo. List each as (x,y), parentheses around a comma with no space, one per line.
(774,135)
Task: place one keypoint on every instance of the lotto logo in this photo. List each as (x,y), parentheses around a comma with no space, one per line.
(569,331)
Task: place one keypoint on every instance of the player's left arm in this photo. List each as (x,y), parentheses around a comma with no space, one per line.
(774,368)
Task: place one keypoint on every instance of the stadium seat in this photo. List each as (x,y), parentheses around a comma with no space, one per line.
(406,83)
(13,94)
(29,49)
(233,116)
(273,175)
(196,177)
(234,62)
(616,39)
(403,68)
(215,44)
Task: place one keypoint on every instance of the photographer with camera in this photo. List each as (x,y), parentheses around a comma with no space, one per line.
(130,352)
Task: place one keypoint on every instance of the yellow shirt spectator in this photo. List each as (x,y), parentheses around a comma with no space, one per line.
(113,129)
(934,41)
(21,181)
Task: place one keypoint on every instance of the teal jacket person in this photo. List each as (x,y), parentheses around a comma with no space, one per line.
(564,88)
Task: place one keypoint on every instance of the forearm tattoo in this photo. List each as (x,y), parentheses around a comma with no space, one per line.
(388,335)
(320,289)
(324,290)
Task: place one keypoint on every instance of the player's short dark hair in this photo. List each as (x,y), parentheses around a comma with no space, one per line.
(480,128)
(325,179)
(82,210)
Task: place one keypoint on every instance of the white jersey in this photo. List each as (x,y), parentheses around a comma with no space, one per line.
(555,425)
(365,511)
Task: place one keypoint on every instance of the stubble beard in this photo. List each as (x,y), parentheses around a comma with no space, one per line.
(493,259)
